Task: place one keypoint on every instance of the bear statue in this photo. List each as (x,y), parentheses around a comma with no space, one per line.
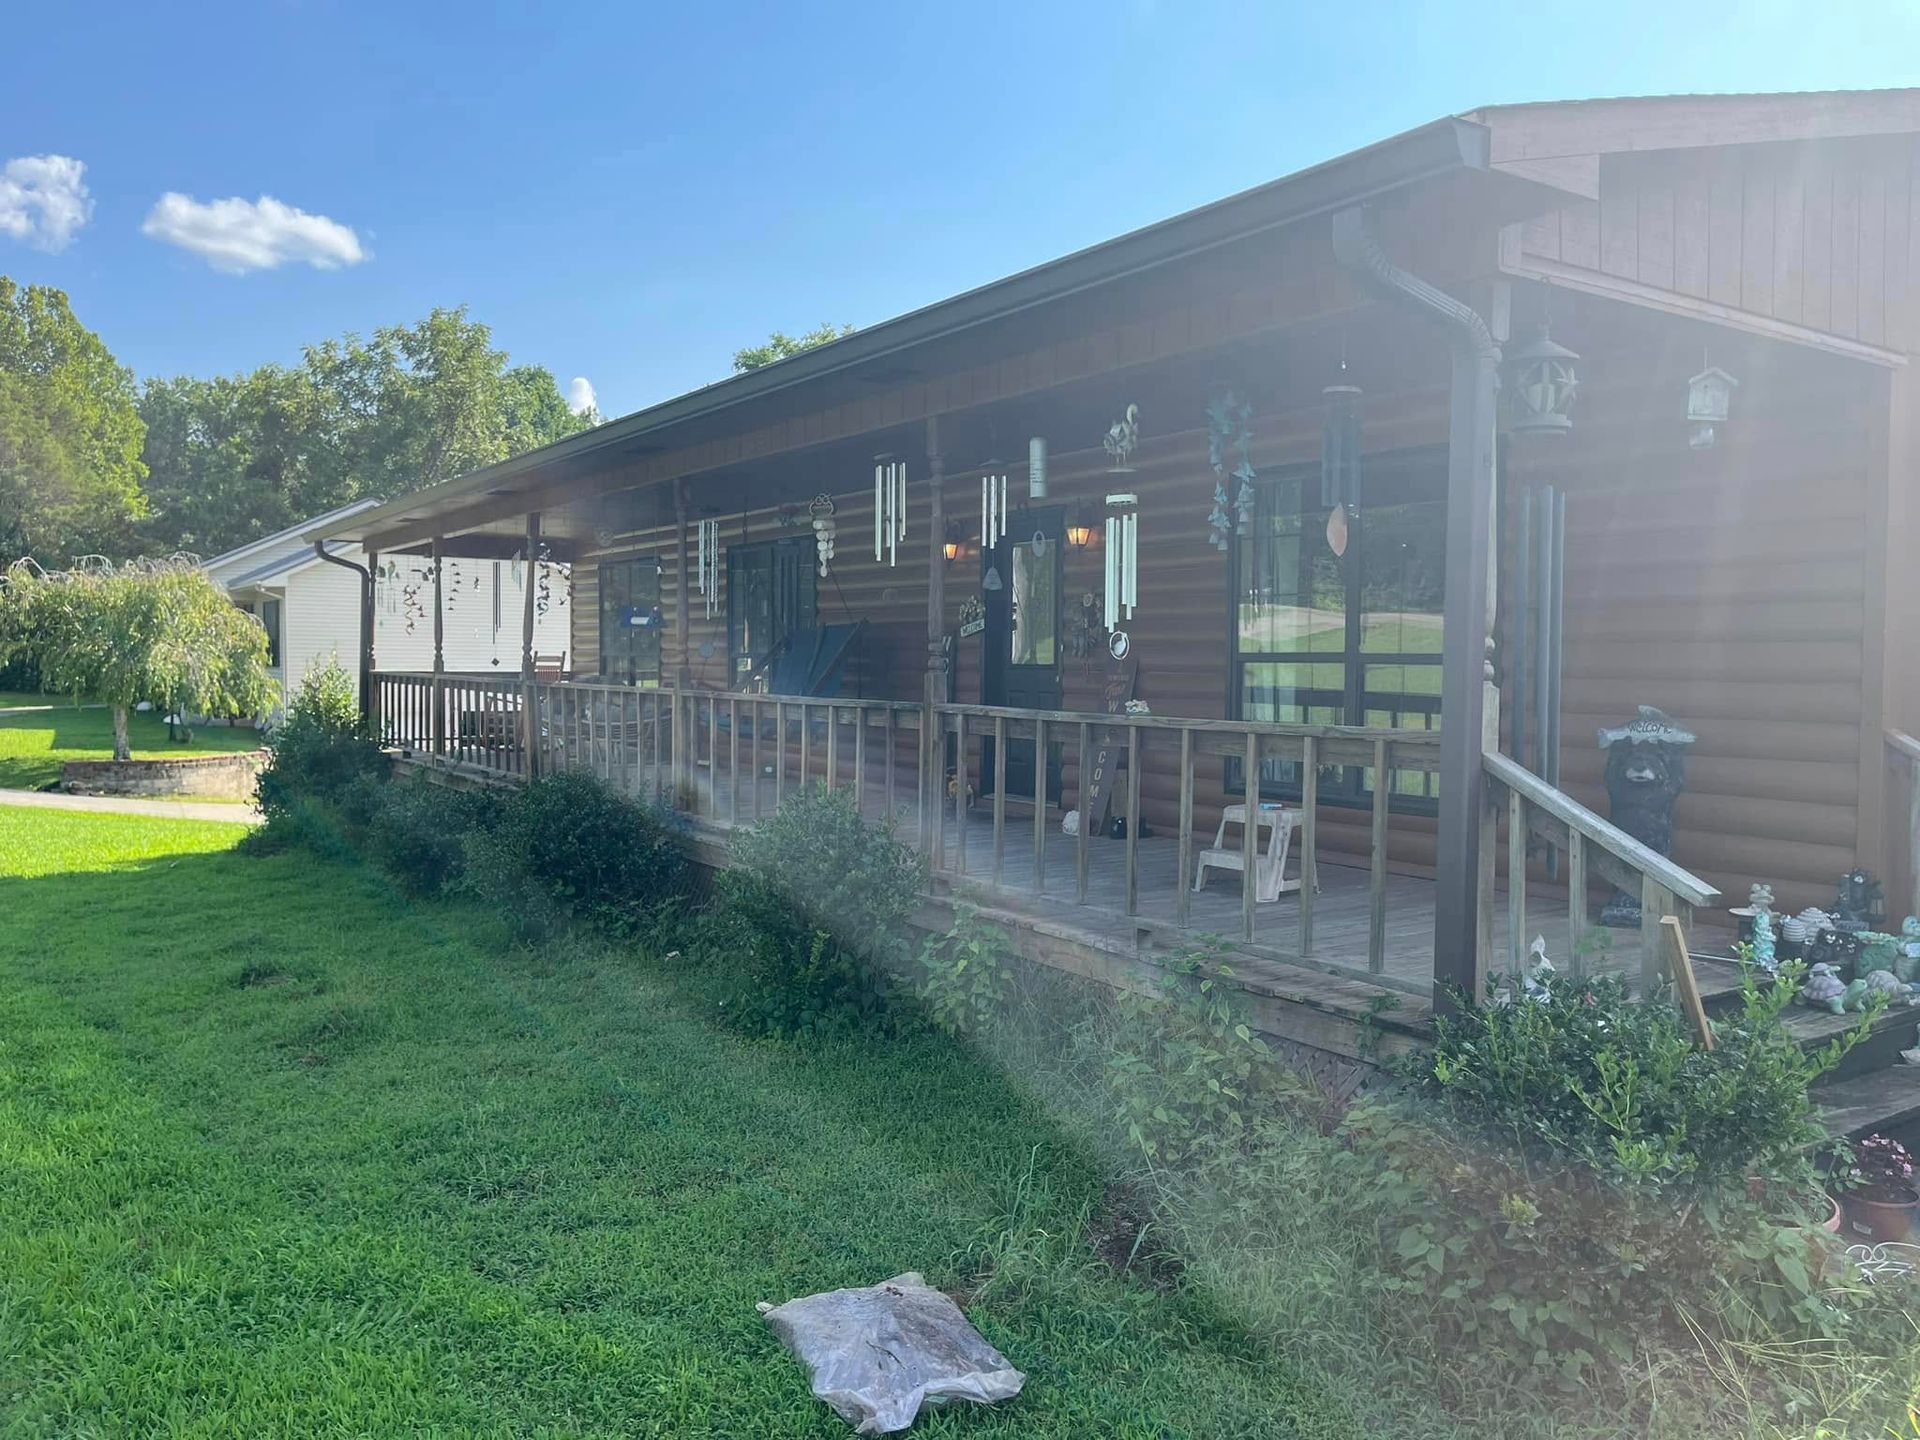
(1646,771)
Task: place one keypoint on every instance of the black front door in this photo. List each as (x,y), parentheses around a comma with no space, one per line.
(1021,663)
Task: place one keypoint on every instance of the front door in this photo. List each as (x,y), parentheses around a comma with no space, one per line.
(1021,663)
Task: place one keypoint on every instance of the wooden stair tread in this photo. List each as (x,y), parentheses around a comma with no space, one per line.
(1879,1100)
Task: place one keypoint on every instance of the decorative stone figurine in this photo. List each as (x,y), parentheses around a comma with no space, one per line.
(1763,956)
(1822,988)
(1646,771)
(1885,982)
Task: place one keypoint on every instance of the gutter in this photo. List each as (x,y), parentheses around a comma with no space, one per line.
(1466,673)
(366,627)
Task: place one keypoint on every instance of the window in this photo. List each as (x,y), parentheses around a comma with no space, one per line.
(270,619)
(770,594)
(1325,639)
(1036,605)
(630,621)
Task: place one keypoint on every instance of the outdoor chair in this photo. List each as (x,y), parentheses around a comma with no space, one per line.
(809,665)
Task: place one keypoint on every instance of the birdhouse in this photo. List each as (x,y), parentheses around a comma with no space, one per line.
(1709,400)
(1541,382)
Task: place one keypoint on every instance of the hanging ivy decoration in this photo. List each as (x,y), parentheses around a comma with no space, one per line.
(1230,453)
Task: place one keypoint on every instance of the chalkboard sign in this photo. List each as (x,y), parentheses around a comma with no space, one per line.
(1096,792)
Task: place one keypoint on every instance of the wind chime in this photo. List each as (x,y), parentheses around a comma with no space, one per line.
(1340,459)
(1230,434)
(1123,534)
(889,507)
(993,522)
(821,512)
(1123,558)
(709,577)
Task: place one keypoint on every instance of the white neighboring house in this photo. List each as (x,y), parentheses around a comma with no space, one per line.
(311,609)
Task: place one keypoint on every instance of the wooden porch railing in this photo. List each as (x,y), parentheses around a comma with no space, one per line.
(472,719)
(732,758)
(1159,745)
(1535,811)
(1903,758)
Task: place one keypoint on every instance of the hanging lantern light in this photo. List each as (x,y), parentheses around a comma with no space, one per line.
(889,508)
(993,506)
(709,564)
(951,547)
(1541,382)
(1709,401)
(1079,532)
(824,530)
(1340,460)
(1123,558)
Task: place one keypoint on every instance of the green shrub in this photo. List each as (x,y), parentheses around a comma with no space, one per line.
(1588,1075)
(774,973)
(1186,1070)
(801,935)
(589,850)
(320,750)
(1569,1173)
(418,832)
(966,976)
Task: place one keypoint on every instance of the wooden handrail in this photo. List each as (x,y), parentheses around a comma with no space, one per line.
(1563,807)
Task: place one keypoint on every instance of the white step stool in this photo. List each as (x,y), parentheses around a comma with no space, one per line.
(1269,868)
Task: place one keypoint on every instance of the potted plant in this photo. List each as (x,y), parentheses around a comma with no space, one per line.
(1877,1190)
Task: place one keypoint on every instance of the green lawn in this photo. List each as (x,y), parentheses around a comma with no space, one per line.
(283,1154)
(34,745)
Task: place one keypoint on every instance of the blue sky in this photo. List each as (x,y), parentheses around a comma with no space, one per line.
(630,192)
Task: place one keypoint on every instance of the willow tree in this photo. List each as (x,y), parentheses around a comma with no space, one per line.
(159,631)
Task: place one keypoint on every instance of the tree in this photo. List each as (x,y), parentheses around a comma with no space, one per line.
(162,631)
(70,435)
(781,346)
(237,458)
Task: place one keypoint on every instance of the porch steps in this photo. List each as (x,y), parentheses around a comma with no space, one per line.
(1887,1101)
(1871,1089)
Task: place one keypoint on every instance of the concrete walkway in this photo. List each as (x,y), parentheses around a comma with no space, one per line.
(128,805)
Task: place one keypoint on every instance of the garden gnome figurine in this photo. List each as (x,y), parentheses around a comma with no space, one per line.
(1646,771)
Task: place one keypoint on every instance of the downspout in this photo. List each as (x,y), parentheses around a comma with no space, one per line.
(366,627)
(1466,671)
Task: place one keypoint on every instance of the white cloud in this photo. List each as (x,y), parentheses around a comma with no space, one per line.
(236,235)
(44,200)
(580,396)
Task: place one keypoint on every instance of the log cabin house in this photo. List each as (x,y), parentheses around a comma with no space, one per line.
(1444,555)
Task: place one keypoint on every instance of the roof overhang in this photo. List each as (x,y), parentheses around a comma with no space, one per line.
(1445,147)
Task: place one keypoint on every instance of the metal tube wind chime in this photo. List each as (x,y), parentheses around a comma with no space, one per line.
(1123,558)
(889,507)
(993,510)
(709,567)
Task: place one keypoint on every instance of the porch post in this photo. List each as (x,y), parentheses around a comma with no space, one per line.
(369,610)
(932,745)
(683,608)
(529,696)
(1465,673)
(439,657)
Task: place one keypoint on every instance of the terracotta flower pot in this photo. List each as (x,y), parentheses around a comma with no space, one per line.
(1832,1223)
(1881,1220)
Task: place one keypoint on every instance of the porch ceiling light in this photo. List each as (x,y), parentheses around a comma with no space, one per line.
(1541,382)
